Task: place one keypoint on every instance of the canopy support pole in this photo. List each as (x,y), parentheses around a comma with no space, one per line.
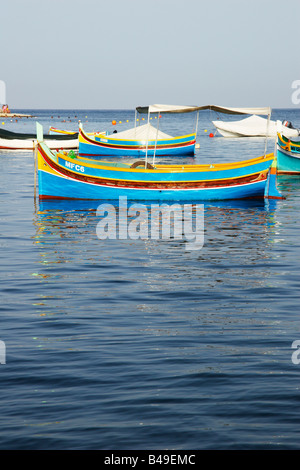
(196,130)
(146,159)
(156,139)
(278,131)
(35,167)
(267,133)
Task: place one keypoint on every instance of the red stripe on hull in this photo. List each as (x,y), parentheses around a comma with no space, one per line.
(283,172)
(43,196)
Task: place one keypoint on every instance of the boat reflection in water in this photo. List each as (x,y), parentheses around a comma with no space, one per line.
(88,222)
(80,273)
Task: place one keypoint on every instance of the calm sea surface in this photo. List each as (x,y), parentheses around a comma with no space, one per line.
(144,344)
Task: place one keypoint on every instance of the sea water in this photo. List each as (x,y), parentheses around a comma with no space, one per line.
(143,344)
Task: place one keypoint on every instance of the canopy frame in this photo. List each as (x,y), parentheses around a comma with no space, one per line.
(164,109)
(171,109)
(174,109)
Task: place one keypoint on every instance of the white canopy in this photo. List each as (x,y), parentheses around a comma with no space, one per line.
(221,109)
(145,132)
(166,108)
(253,126)
(163,108)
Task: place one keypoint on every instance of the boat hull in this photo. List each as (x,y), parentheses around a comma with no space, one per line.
(61,177)
(288,162)
(101,146)
(10,140)
(61,187)
(55,131)
(288,156)
(16,144)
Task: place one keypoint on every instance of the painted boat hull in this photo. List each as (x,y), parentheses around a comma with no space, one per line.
(61,177)
(100,145)
(288,156)
(55,131)
(288,162)
(63,188)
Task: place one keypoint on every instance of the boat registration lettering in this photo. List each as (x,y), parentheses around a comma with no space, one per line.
(74,166)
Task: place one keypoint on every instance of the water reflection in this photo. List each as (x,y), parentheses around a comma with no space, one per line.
(140,288)
(110,283)
(66,230)
(76,220)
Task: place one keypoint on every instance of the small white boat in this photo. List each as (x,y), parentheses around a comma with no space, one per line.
(17,141)
(254,126)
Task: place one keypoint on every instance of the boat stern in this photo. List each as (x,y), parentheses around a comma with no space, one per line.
(271,191)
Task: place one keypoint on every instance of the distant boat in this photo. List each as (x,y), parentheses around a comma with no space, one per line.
(141,141)
(288,155)
(55,131)
(253,126)
(18,141)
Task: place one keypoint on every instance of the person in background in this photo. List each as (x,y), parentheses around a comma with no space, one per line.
(5,109)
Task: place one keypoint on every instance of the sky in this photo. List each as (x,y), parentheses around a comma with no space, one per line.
(119,54)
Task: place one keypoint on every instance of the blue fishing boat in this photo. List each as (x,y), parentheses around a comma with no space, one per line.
(142,140)
(288,155)
(67,176)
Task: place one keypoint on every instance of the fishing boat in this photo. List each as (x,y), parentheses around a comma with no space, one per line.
(65,176)
(55,131)
(288,155)
(18,141)
(142,140)
(253,126)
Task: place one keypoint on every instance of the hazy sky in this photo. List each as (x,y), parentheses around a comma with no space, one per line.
(115,54)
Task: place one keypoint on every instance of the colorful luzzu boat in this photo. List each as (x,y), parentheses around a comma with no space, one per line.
(135,143)
(141,141)
(55,131)
(63,176)
(288,155)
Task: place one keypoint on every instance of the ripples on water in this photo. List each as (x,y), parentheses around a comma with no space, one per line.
(143,344)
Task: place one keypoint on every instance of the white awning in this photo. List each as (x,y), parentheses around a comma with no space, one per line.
(163,108)
(166,108)
(221,109)
(252,126)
